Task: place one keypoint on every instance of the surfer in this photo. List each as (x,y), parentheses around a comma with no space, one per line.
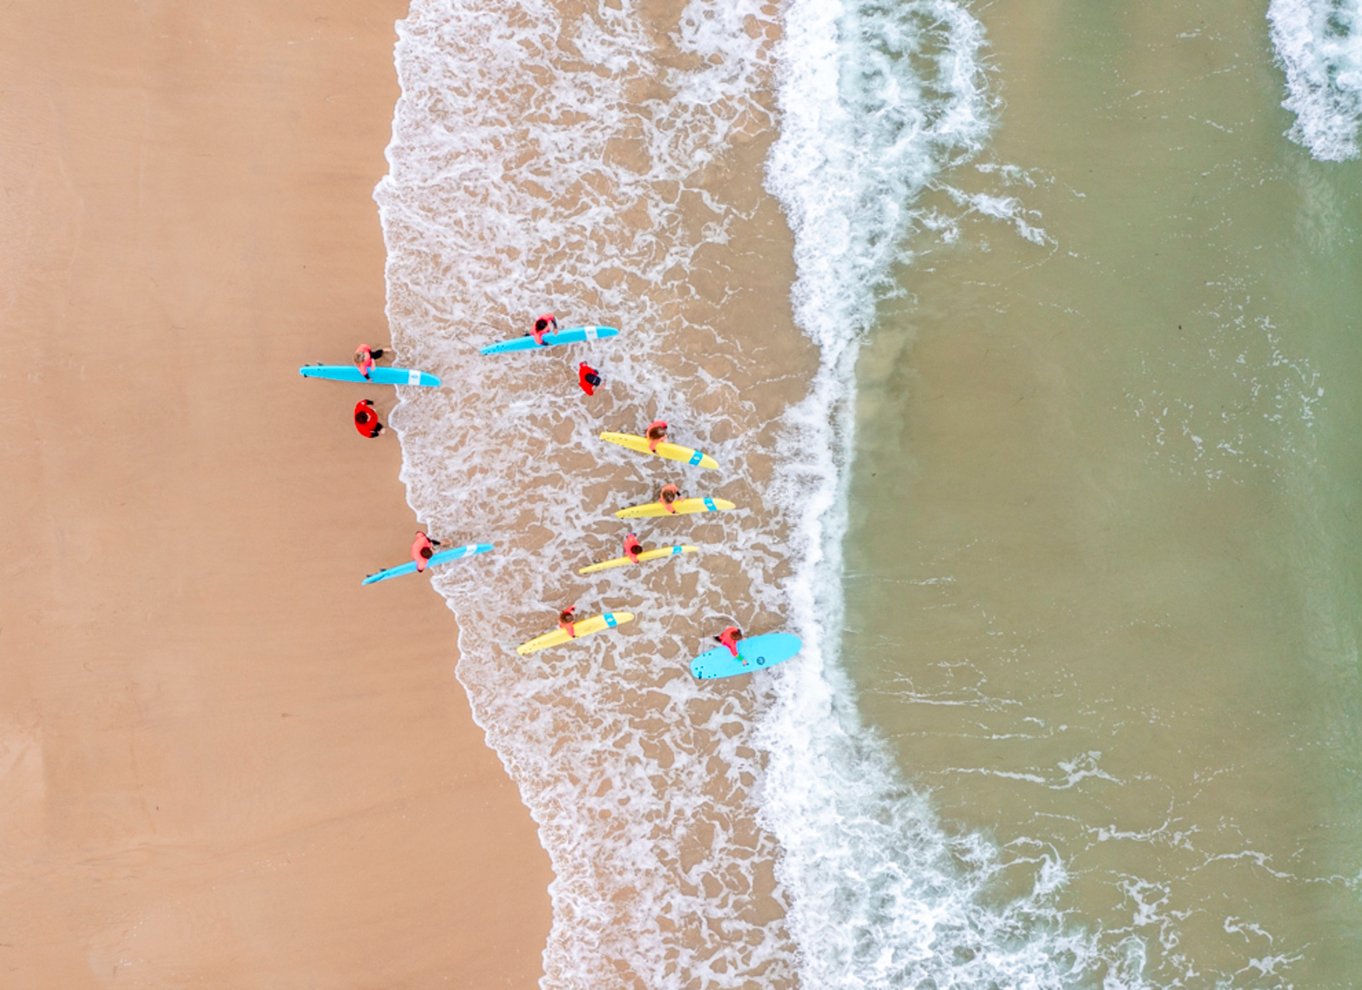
(655,434)
(546,323)
(729,638)
(422,549)
(632,547)
(366,357)
(588,378)
(566,622)
(366,419)
(668,495)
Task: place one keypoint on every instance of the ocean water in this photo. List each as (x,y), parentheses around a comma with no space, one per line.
(1101,572)
(1024,339)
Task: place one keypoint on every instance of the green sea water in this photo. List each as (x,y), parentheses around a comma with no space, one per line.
(1103,570)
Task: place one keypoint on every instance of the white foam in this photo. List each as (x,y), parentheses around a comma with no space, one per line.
(1318,44)
(540,156)
(877,101)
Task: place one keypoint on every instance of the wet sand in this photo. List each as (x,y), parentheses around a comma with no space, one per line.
(222,760)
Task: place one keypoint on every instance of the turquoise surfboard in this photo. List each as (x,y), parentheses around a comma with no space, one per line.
(379,376)
(572,335)
(754,653)
(441,557)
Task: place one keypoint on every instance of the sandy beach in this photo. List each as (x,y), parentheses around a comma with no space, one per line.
(223,761)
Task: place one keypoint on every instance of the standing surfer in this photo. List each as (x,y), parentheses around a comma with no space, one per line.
(366,419)
(588,378)
(422,549)
(566,622)
(729,638)
(632,548)
(668,495)
(366,359)
(546,323)
(655,434)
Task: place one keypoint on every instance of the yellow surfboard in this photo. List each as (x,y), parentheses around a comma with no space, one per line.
(671,451)
(683,507)
(595,624)
(657,554)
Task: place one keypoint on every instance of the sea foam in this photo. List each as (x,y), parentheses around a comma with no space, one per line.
(1318,44)
(545,157)
(877,102)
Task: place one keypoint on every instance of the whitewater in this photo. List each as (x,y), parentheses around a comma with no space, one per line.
(1318,45)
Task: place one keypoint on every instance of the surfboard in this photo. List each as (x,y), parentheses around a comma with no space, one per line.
(437,558)
(683,507)
(572,335)
(379,376)
(754,653)
(670,451)
(595,624)
(657,554)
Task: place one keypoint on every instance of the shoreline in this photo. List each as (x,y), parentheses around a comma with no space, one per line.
(605,736)
(225,760)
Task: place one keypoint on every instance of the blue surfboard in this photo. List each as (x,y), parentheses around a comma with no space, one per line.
(572,335)
(379,376)
(754,653)
(442,557)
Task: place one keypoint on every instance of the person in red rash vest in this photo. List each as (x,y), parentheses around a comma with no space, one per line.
(546,323)
(366,419)
(668,495)
(566,622)
(729,638)
(655,434)
(632,547)
(365,358)
(422,549)
(588,378)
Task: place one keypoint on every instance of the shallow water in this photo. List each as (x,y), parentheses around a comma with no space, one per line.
(603,161)
(1102,572)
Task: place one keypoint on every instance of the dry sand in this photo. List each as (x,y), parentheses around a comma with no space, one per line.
(222,761)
